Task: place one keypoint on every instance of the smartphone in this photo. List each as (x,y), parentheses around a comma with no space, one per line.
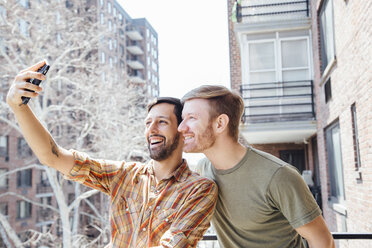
(43,70)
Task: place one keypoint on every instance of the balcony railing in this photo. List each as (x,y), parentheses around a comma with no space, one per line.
(278,101)
(43,188)
(336,235)
(270,10)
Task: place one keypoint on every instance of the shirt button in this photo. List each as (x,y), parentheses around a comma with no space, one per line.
(144,229)
(127,209)
(166,220)
(158,207)
(150,207)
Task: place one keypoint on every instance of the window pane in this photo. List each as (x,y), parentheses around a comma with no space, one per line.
(293,75)
(294,53)
(262,77)
(335,162)
(338,161)
(261,56)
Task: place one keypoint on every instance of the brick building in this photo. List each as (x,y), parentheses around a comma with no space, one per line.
(342,39)
(277,43)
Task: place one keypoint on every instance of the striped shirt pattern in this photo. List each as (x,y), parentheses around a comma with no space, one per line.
(174,213)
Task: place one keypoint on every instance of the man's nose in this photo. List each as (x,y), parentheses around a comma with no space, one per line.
(153,128)
(182,127)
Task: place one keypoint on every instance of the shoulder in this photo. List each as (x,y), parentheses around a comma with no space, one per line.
(203,167)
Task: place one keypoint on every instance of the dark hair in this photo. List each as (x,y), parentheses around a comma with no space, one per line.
(221,101)
(171,100)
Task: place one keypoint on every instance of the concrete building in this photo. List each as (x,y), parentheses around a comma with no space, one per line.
(129,46)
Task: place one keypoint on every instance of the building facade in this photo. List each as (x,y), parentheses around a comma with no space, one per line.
(342,38)
(130,48)
(303,70)
(271,66)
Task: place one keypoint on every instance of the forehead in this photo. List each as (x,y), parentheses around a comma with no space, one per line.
(164,110)
(196,106)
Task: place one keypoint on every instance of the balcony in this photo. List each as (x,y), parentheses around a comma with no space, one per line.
(278,112)
(135,50)
(44,215)
(133,34)
(273,10)
(135,64)
(136,77)
(43,188)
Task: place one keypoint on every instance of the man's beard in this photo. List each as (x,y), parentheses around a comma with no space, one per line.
(204,141)
(165,151)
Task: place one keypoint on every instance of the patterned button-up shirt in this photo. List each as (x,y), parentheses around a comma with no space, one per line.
(173,213)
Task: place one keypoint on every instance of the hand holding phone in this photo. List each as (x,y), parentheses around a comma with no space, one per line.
(43,70)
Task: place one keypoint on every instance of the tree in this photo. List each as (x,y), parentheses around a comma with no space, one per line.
(87,105)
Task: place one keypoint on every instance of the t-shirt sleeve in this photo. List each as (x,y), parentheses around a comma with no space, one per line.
(289,193)
(95,173)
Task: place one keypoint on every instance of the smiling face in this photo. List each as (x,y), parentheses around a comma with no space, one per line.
(161,131)
(196,126)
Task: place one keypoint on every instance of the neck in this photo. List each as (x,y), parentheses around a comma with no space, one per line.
(163,169)
(225,153)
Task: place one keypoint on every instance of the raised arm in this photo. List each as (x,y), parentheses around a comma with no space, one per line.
(36,135)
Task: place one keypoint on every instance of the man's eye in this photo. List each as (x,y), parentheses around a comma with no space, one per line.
(162,121)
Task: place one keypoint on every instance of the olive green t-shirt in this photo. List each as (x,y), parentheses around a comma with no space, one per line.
(260,202)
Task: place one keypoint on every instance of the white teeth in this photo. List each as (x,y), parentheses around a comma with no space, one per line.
(155,140)
(188,137)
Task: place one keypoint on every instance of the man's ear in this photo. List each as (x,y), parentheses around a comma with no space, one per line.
(221,123)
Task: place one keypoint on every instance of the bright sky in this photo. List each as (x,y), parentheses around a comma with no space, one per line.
(193,41)
(193,44)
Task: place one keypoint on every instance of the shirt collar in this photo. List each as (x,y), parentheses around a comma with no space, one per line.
(180,174)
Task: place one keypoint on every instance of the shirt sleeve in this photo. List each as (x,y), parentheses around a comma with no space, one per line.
(95,173)
(193,218)
(289,193)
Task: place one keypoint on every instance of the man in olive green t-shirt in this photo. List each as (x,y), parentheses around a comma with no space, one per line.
(262,201)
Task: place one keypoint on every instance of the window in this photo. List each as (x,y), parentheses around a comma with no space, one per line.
(24,178)
(327,48)
(58,18)
(110,44)
(23,27)
(23,209)
(4,180)
(102,2)
(110,62)
(109,7)
(4,146)
(335,168)
(103,57)
(109,25)
(4,208)
(24,3)
(23,150)
(355,137)
(102,18)
(328,90)
(114,12)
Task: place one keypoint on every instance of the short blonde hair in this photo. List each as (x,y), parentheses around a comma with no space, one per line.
(221,101)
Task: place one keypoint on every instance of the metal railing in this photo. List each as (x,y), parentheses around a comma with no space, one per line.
(251,11)
(336,235)
(278,101)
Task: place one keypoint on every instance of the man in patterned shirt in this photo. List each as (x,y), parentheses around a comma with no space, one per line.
(161,203)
